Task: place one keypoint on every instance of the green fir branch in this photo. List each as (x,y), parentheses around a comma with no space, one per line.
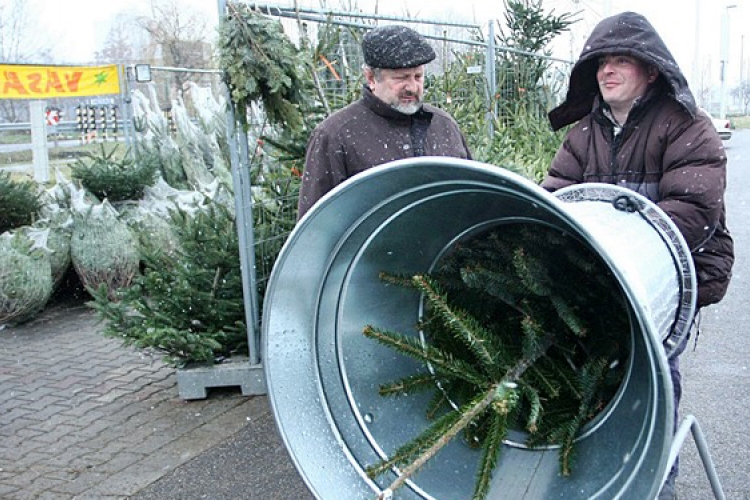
(511,348)
(439,402)
(439,360)
(502,397)
(394,279)
(496,284)
(464,327)
(547,384)
(535,407)
(567,313)
(490,454)
(535,338)
(408,385)
(589,379)
(414,448)
(531,272)
(439,440)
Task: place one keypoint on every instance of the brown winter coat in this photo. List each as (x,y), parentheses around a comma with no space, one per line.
(369,132)
(667,151)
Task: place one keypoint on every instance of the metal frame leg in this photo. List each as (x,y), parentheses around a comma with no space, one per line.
(690,423)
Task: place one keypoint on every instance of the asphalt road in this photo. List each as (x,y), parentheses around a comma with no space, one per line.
(255,464)
(717,372)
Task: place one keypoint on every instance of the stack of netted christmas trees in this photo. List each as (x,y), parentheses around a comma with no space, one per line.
(525,329)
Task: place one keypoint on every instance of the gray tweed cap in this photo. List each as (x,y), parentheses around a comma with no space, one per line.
(395,47)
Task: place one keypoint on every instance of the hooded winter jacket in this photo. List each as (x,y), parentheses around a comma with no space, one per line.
(667,150)
(369,132)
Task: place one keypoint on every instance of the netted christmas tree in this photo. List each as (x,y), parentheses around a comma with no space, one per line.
(525,329)
(186,303)
(155,142)
(25,274)
(102,248)
(59,222)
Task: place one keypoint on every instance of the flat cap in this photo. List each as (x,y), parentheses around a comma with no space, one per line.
(395,47)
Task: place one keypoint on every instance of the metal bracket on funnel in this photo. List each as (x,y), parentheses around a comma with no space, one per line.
(690,423)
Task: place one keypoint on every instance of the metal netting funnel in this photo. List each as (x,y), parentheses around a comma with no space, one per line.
(323,374)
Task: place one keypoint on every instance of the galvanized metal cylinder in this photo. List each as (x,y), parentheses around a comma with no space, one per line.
(323,374)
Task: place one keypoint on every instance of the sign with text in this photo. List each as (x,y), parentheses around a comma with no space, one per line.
(20,81)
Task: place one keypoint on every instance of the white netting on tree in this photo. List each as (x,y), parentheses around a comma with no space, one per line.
(152,228)
(161,198)
(211,119)
(59,222)
(211,112)
(195,151)
(150,217)
(25,274)
(194,146)
(59,193)
(102,247)
(156,138)
(223,195)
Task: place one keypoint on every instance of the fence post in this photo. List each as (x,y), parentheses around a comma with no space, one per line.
(127,110)
(238,151)
(39,140)
(489,69)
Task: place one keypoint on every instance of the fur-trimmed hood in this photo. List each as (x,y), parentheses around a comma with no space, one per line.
(626,33)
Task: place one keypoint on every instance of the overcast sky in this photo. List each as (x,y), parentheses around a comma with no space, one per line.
(79,27)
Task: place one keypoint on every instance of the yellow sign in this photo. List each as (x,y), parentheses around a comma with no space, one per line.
(45,82)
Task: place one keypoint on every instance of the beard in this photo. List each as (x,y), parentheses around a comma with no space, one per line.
(407,109)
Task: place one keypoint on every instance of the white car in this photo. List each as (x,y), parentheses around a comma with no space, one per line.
(722,125)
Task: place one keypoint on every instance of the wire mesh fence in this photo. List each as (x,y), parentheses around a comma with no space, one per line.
(471,76)
(492,72)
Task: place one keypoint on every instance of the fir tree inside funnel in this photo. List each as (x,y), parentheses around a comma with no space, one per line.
(525,331)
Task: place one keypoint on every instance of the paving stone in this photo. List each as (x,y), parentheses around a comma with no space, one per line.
(6,490)
(83,481)
(25,458)
(41,403)
(14,414)
(55,434)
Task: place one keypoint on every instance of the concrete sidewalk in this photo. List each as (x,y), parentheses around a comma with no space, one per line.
(83,417)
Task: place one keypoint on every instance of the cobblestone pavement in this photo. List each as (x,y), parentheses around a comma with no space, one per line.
(82,416)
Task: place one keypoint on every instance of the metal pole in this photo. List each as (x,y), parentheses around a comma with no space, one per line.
(742,61)
(238,150)
(690,423)
(696,48)
(491,79)
(39,140)
(127,110)
(724,59)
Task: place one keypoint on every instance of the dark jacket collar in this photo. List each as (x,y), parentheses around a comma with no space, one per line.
(626,33)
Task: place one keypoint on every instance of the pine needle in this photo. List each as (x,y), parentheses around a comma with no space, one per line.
(512,346)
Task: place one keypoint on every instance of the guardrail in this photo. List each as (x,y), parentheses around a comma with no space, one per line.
(69,126)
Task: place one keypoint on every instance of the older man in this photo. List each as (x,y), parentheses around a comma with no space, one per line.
(389,122)
(638,127)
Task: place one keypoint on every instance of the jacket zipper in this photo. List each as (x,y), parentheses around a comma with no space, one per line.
(616,143)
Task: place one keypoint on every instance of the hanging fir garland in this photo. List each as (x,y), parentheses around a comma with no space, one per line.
(261,65)
(525,329)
